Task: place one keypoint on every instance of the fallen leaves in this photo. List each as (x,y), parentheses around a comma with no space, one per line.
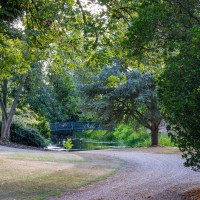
(194,194)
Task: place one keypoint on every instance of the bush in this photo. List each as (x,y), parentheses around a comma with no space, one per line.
(126,135)
(44,127)
(68,143)
(95,134)
(30,119)
(26,136)
(164,140)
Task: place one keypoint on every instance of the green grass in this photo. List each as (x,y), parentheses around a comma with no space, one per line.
(126,135)
(165,141)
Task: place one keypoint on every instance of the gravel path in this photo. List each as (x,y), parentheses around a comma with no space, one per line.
(142,176)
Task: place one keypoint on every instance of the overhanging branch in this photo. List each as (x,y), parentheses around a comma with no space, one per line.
(83,12)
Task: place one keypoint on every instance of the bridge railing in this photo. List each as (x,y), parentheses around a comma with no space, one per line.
(75,126)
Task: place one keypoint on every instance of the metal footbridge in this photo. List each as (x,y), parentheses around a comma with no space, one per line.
(68,126)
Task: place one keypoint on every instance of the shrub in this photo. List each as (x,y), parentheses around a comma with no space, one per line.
(95,134)
(68,144)
(126,135)
(44,127)
(26,136)
(164,140)
(28,118)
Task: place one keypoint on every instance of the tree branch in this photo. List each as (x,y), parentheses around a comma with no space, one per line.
(189,12)
(14,105)
(141,119)
(83,12)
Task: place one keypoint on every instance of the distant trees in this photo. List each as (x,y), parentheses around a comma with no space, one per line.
(50,94)
(120,94)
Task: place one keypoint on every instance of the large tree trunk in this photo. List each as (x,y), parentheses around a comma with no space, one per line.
(154,135)
(7,120)
(155,120)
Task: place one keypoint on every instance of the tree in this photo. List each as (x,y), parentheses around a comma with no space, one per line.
(120,94)
(46,26)
(14,60)
(159,36)
(179,92)
(166,33)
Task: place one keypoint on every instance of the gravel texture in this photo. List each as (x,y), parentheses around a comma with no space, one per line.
(141,176)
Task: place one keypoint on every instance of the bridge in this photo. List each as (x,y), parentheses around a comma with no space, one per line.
(69,126)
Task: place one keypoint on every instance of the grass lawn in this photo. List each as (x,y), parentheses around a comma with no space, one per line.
(36,175)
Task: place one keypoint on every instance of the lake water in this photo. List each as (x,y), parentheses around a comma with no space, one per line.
(87,144)
(80,144)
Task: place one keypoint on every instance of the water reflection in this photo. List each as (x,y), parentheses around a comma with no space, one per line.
(82,144)
(88,144)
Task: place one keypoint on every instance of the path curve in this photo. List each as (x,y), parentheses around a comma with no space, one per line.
(142,176)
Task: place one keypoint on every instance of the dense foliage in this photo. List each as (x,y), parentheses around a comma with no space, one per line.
(22,134)
(137,136)
(51,94)
(130,135)
(34,31)
(26,136)
(180,94)
(28,118)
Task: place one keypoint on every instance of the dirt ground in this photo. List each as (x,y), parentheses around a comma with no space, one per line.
(31,174)
(125,174)
(147,173)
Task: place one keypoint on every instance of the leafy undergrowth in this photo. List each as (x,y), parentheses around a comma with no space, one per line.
(39,174)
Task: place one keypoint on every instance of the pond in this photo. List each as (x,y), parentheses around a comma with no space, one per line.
(82,144)
(88,144)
